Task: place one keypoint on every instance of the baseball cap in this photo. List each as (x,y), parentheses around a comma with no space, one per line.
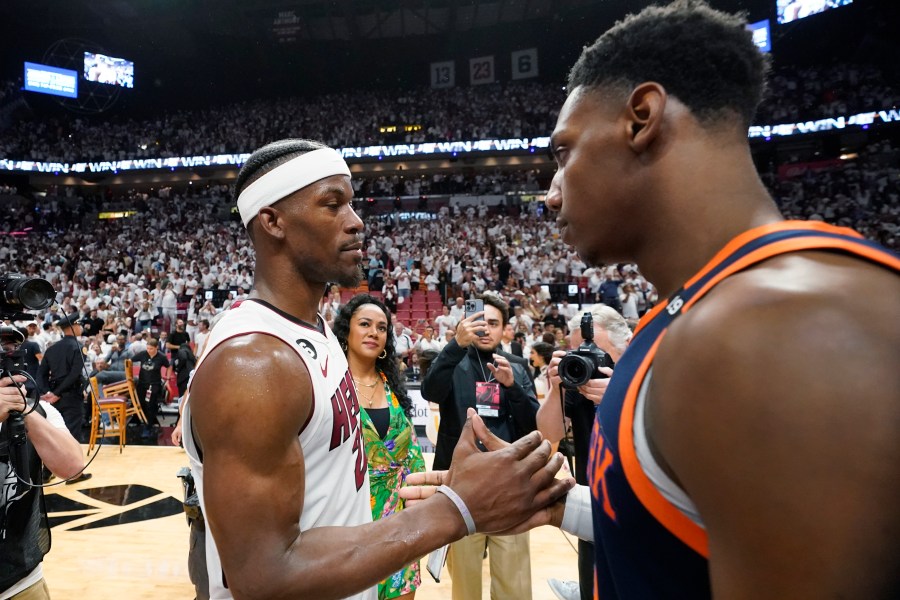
(70,319)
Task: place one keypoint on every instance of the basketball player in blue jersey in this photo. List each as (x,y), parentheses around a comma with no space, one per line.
(272,427)
(747,443)
(746,446)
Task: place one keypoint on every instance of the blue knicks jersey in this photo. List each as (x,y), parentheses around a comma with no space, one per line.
(645,547)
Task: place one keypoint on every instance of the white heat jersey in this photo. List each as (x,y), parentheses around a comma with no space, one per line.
(337,480)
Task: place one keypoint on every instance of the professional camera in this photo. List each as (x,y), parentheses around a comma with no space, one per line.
(580,366)
(19,293)
(12,361)
(12,358)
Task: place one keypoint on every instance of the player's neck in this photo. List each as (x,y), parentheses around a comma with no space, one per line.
(295,297)
(697,220)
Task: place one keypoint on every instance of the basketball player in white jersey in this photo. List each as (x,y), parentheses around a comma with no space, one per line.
(272,428)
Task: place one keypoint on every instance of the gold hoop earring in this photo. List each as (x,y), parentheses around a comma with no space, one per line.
(383,354)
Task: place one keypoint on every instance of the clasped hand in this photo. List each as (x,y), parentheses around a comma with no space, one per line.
(508,489)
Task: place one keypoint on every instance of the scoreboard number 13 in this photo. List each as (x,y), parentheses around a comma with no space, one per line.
(443,74)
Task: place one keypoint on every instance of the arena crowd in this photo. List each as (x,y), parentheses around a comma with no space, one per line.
(359,118)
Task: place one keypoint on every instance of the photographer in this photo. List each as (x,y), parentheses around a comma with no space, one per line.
(24,530)
(472,371)
(611,335)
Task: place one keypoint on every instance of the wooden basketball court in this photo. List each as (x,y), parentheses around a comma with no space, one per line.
(122,535)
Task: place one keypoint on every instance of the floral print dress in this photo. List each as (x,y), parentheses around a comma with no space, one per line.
(390,460)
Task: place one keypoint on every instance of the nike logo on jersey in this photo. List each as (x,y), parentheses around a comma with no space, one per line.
(310,350)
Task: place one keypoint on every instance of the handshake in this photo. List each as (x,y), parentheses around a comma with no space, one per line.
(510,489)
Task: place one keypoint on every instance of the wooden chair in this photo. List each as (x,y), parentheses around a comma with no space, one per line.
(127,389)
(112,406)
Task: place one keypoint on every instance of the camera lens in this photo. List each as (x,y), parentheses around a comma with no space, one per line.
(575,370)
(36,294)
(31,293)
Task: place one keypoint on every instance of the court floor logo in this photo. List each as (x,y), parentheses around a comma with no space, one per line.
(110,505)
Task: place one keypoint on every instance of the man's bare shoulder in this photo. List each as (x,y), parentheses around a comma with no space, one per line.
(795,302)
(795,319)
(250,373)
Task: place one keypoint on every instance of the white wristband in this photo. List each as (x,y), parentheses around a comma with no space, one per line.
(460,505)
(577,518)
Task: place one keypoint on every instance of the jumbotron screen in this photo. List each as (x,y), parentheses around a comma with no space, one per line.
(108,69)
(45,79)
(762,35)
(793,10)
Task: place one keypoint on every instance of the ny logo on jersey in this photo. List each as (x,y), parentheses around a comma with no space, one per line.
(600,460)
(345,423)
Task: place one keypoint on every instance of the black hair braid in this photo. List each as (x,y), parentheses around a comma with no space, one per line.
(386,365)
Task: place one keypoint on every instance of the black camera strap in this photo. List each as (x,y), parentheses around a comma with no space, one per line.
(568,436)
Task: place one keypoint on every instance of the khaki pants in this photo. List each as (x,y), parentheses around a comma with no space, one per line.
(38,591)
(510,561)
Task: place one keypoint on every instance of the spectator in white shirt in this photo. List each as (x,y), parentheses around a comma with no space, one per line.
(427,341)
(404,283)
(200,337)
(458,310)
(403,343)
(445,322)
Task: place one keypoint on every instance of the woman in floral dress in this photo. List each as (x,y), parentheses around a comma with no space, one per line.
(363,327)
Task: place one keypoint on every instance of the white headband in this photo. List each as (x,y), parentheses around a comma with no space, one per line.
(286,179)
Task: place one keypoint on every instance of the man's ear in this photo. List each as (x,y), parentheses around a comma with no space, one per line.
(646,107)
(269,221)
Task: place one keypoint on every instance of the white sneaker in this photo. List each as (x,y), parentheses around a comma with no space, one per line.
(565,590)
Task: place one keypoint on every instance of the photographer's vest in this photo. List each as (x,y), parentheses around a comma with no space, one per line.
(24,528)
(337,475)
(649,542)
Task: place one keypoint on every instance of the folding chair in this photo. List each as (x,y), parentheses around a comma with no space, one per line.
(128,389)
(114,408)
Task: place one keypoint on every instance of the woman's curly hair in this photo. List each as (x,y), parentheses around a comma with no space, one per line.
(386,365)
